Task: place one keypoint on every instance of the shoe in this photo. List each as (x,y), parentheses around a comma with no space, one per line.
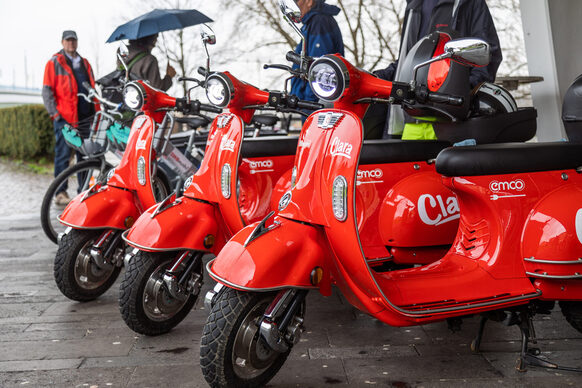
(62,199)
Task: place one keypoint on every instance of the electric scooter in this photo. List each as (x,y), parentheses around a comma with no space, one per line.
(314,242)
(238,183)
(90,251)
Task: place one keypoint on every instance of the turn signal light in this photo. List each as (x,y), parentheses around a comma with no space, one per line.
(208,241)
(128,222)
(316,275)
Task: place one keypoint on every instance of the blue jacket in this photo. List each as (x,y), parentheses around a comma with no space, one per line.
(471,19)
(322,36)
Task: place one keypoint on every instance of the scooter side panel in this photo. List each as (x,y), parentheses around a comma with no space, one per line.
(108,208)
(418,211)
(283,257)
(138,155)
(182,224)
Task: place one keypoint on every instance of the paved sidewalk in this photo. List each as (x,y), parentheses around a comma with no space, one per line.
(48,340)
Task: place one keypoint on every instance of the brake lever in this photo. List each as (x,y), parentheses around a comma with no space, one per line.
(294,72)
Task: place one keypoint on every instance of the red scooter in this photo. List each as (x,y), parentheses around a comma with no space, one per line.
(238,183)
(516,249)
(90,252)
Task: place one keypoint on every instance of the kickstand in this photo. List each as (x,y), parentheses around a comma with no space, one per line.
(529,356)
(476,343)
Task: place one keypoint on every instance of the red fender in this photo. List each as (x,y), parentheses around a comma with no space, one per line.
(283,257)
(182,224)
(109,207)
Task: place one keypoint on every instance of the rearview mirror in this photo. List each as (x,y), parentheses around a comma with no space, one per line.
(290,9)
(469,51)
(208,37)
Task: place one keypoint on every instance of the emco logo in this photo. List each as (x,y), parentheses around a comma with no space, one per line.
(140,144)
(226,144)
(517,185)
(374,174)
(339,148)
(433,210)
(261,163)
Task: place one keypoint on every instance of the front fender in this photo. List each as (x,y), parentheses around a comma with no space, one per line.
(183,224)
(283,257)
(109,208)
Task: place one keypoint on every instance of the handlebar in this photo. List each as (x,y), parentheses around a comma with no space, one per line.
(209,108)
(202,71)
(194,106)
(441,98)
(309,105)
(92,93)
(292,56)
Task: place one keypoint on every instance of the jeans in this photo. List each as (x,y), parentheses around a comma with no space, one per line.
(62,151)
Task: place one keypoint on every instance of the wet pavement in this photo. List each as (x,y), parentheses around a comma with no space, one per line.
(48,340)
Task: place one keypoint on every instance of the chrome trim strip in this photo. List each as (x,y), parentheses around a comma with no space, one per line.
(85,227)
(546,276)
(533,260)
(236,286)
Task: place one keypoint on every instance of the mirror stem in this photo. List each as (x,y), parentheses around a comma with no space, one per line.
(420,65)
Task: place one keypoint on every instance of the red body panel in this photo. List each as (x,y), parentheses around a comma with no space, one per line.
(106,209)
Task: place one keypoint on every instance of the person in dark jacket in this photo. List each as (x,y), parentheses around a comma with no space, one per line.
(470,18)
(64,76)
(322,36)
(143,65)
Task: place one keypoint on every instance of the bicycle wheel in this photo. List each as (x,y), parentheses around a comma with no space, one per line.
(77,177)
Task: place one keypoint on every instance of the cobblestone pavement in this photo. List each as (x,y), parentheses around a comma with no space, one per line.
(48,340)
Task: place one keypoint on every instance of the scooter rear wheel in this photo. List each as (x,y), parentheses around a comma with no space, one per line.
(144,300)
(76,275)
(232,353)
(573,313)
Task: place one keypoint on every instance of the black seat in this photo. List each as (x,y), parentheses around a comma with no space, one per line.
(194,121)
(493,159)
(396,151)
(500,128)
(266,146)
(266,120)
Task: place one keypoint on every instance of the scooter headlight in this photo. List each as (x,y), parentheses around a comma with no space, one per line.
(141,171)
(134,96)
(328,78)
(225,180)
(219,90)
(339,198)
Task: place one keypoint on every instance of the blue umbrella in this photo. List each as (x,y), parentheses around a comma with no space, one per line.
(156,21)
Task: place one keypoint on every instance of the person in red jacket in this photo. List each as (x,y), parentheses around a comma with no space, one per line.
(64,75)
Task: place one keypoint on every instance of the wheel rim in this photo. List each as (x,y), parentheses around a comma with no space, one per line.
(87,274)
(250,355)
(158,304)
(160,189)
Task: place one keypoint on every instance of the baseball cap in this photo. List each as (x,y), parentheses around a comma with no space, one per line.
(69,34)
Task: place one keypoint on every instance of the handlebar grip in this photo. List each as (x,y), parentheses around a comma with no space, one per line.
(445,99)
(202,71)
(292,56)
(87,85)
(210,108)
(309,105)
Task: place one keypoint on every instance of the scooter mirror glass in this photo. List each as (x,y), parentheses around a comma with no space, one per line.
(469,51)
(291,10)
(207,34)
(122,54)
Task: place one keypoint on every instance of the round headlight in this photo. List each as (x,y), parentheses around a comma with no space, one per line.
(218,90)
(328,78)
(133,96)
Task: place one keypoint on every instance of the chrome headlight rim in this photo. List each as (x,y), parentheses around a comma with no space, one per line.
(227,86)
(341,72)
(134,96)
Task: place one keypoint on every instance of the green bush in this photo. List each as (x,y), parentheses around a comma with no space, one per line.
(26,132)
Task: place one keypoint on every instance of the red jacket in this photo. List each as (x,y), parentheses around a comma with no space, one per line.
(59,90)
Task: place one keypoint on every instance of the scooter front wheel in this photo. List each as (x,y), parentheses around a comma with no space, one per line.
(145,303)
(76,274)
(232,352)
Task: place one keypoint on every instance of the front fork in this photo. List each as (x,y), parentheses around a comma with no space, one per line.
(181,279)
(282,322)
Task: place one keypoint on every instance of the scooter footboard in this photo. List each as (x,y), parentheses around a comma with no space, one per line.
(283,255)
(103,207)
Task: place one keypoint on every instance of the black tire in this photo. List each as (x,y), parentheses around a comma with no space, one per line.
(573,313)
(68,270)
(141,310)
(49,210)
(232,311)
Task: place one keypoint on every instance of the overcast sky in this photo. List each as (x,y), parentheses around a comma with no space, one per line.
(31,31)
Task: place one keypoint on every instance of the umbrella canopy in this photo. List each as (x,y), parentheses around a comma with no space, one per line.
(156,21)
